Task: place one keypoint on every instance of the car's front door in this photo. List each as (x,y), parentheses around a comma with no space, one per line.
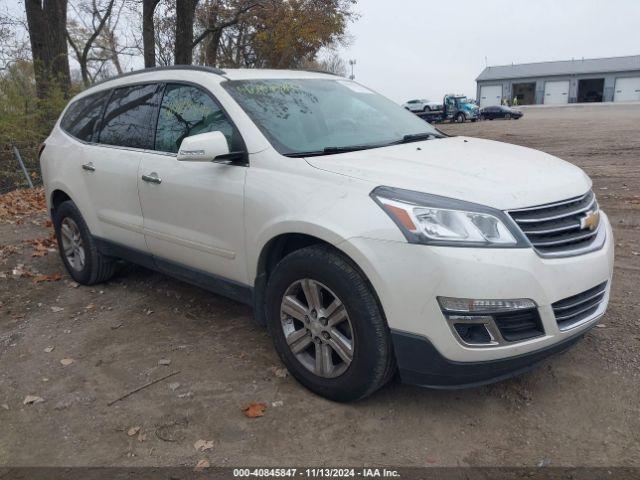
(193,211)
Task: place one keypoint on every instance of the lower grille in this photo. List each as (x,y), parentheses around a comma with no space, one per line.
(519,325)
(577,308)
(558,228)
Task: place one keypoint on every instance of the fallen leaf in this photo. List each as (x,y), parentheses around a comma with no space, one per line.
(32,399)
(54,277)
(201,465)
(142,437)
(164,361)
(174,386)
(133,431)
(91,306)
(254,410)
(67,361)
(5,406)
(203,445)
(56,309)
(22,202)
(280,372)
(277,403)
(49,349)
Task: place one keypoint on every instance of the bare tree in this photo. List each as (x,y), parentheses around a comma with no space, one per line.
(46,20)
(185,16)
(86,35)
(148,32)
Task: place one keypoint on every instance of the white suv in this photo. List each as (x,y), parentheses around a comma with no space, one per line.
(366,240)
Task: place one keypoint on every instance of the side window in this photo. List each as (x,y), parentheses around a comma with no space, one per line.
(128,120)
(187,110)
(82,116)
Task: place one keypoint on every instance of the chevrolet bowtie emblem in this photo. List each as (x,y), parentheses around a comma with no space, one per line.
(590,221)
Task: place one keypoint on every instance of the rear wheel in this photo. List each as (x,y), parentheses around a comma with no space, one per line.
(327,326)
(77,247)
(508,116)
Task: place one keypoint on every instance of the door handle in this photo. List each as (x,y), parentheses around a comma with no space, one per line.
(152,178)
(89,167)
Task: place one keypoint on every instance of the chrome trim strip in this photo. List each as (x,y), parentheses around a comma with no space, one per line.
(554,204)
(551,230)
(576,238)
(575,304)
(596,244)
(556,217)
(562,318)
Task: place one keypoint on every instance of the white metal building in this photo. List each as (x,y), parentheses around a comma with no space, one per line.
(615,79)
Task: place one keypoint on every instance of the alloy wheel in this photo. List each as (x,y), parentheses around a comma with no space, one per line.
(72,244)
(317,328)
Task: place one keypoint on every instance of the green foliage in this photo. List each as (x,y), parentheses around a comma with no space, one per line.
(24,117)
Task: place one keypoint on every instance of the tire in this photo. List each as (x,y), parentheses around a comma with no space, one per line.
(86,265)
(426,108)
(372,363)
(508,116)
(460,118)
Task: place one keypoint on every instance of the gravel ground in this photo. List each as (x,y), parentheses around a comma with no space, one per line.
(582,408)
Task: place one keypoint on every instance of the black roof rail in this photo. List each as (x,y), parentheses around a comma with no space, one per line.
(197,68)
(310,70)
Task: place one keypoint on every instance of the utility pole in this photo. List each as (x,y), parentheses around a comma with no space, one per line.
(352,63)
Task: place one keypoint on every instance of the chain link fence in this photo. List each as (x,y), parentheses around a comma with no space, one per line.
(11,174)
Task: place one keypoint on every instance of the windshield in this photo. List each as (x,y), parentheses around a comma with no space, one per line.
(323,116)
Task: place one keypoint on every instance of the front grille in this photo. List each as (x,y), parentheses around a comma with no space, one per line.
(556,228)
(517,326)
(577,308)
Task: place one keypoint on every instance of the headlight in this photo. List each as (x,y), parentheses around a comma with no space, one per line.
(437,220)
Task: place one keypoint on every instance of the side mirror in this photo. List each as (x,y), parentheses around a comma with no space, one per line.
(204,147)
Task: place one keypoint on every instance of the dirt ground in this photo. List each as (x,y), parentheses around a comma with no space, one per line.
(582,408)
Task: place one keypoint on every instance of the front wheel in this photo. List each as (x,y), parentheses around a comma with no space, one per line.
(327,326)
(460,118)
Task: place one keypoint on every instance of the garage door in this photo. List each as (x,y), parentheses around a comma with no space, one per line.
(491,95)
(556,92)
(627,90)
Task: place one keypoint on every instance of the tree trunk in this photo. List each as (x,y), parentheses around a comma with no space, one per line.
(148,32)
(47,22)
(185,16)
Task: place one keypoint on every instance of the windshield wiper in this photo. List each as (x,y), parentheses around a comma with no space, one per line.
(416,137)
(330,151)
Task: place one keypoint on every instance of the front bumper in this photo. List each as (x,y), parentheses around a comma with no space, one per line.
(409,277)
(422,365)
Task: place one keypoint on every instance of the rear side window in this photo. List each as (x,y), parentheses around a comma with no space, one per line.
(82,116)
(128,117)
(187,110)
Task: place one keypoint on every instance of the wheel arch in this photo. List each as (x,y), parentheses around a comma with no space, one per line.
(280,246)
(57,197)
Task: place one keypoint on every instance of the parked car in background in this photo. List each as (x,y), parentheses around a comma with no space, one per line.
(500,111)
(367,241)
(422,105)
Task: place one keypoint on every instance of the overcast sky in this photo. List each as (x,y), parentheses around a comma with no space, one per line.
(424,49)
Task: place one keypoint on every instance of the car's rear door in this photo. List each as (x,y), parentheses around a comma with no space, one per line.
(193,211)
(112,165)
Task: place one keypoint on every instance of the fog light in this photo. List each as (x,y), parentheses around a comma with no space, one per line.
(470,305)
(479,322)
(472,334)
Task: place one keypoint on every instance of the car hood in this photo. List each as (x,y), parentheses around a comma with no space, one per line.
(499,175)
